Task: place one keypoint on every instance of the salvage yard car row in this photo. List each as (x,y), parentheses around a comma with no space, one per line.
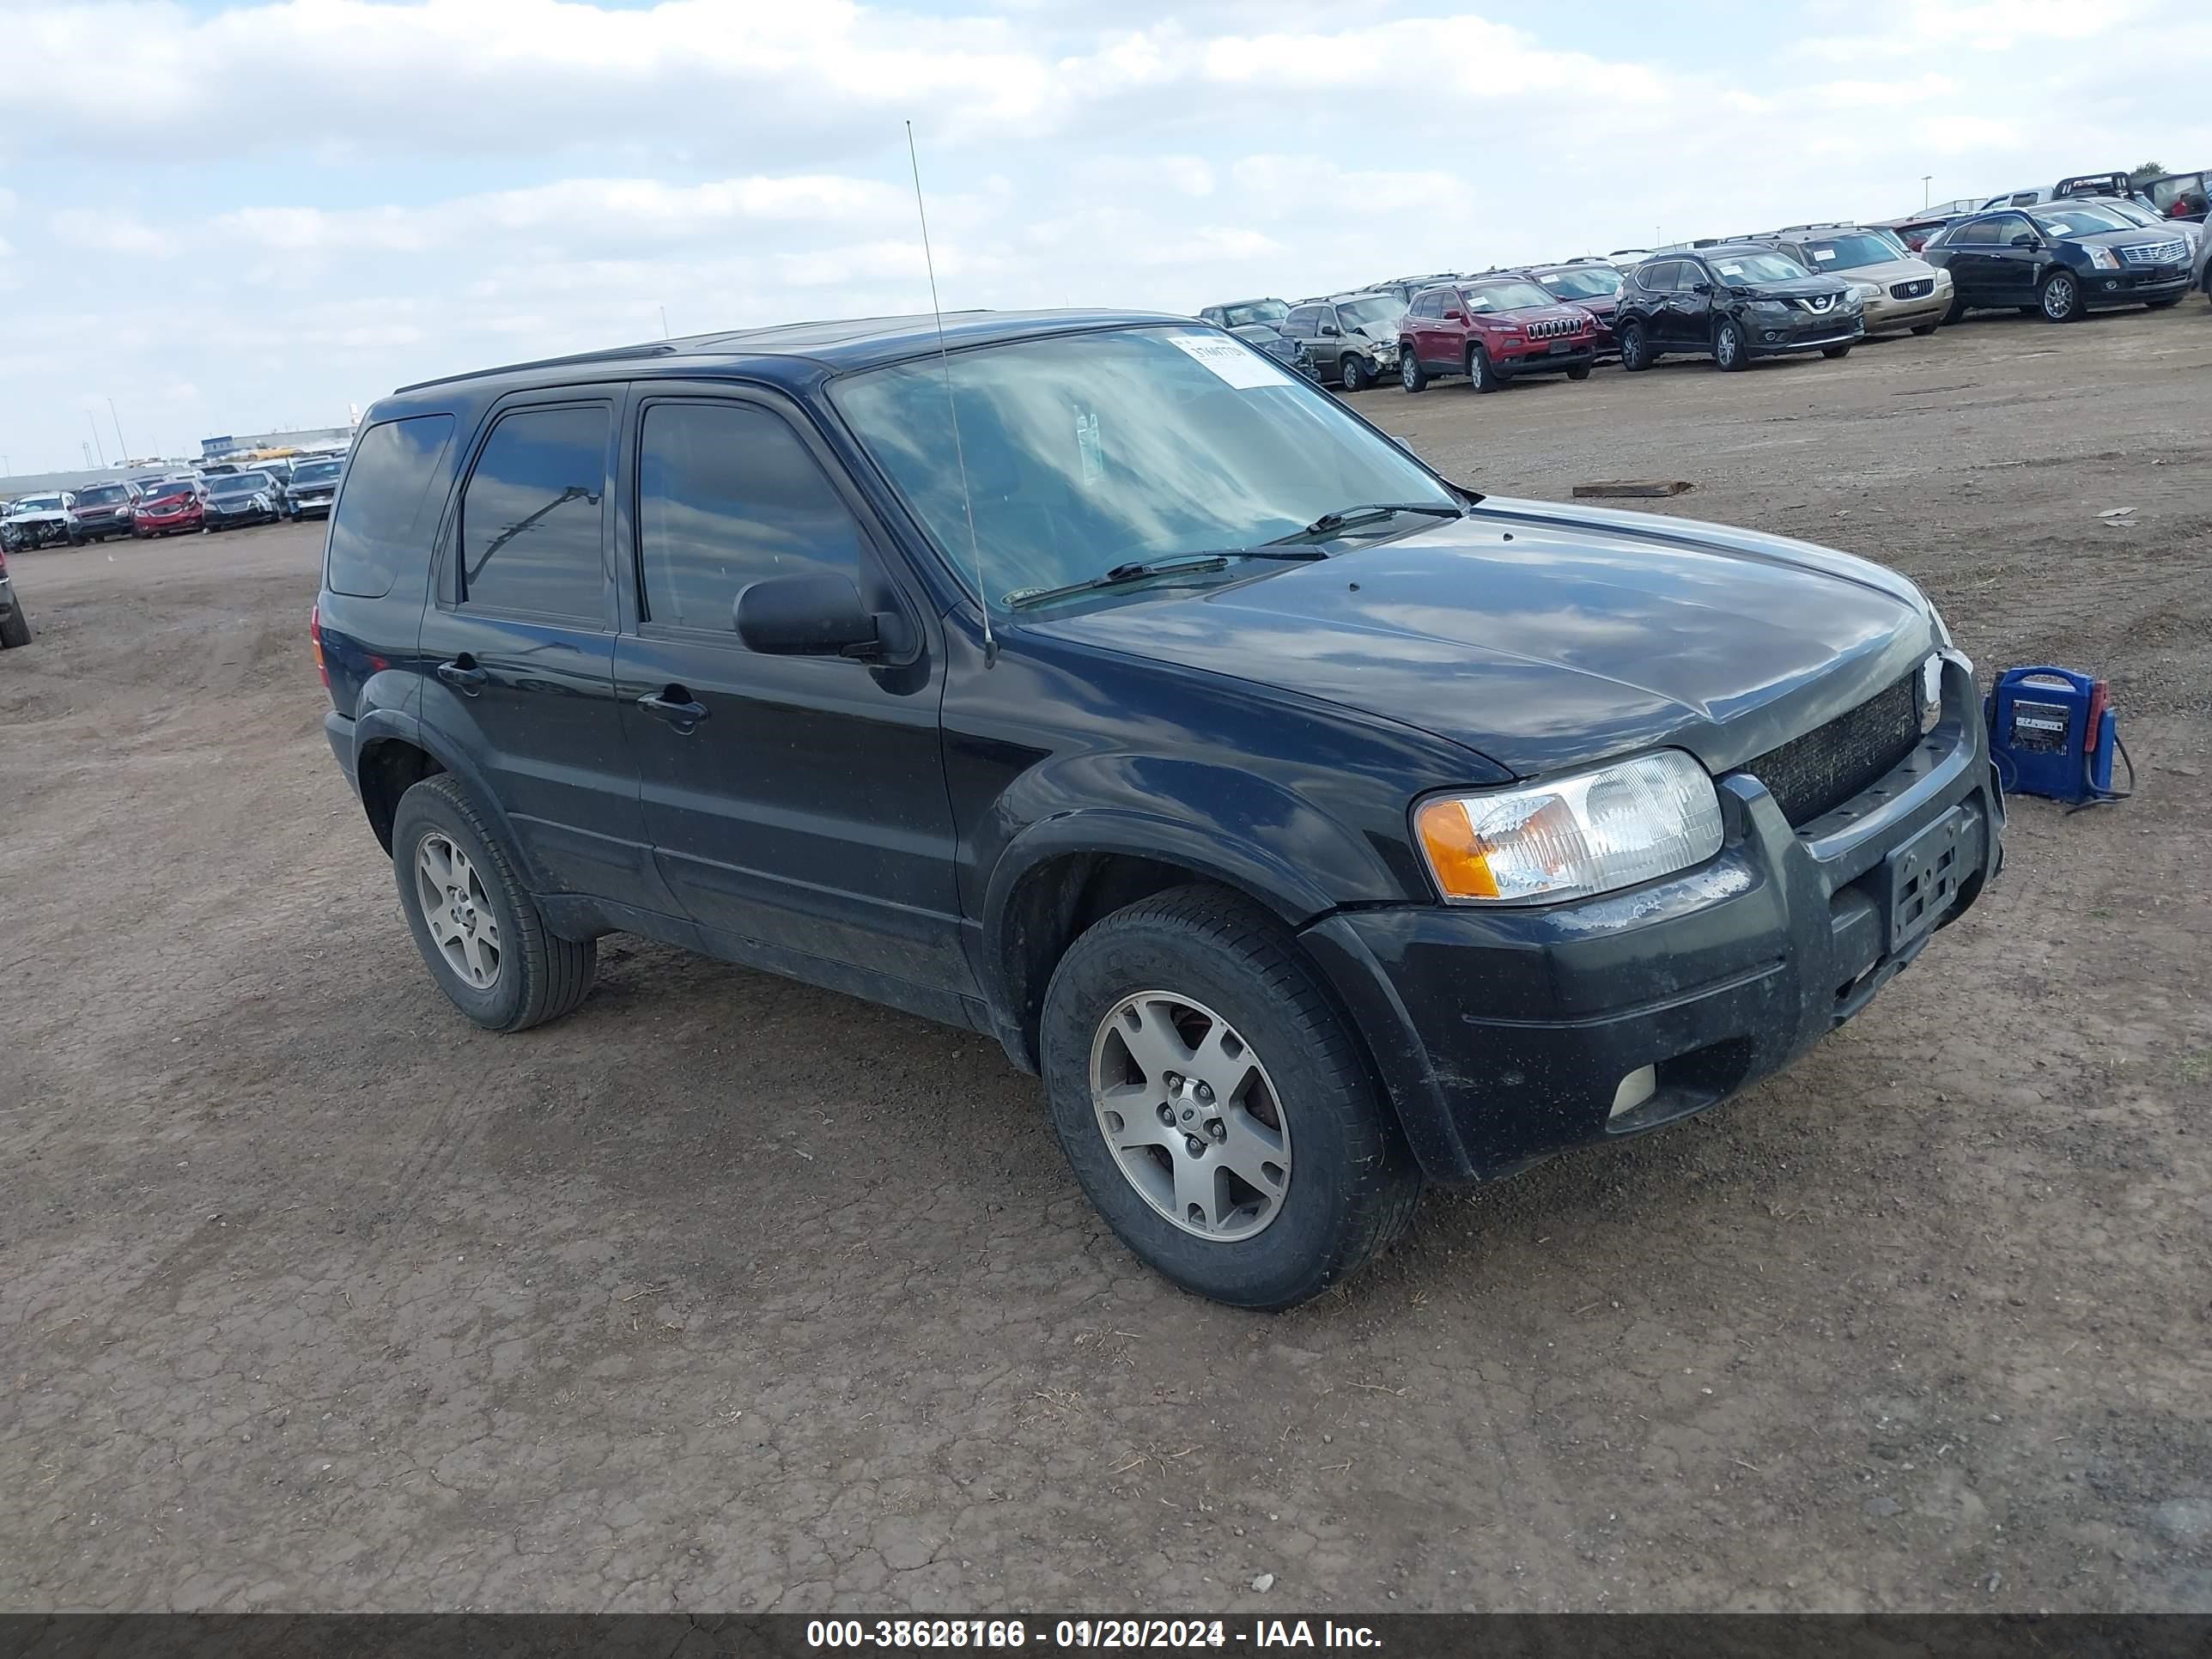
(144,508)
(1805,288)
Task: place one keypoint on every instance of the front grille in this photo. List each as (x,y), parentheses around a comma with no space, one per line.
(1553,328)
(1816,773)
(1913,291)
(1818,302)
(2158,254)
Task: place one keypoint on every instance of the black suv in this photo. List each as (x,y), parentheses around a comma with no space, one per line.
(1733,303)
(1102,686)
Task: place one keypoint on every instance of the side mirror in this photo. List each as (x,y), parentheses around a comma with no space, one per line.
(815,616)
(1701,288)
(2027,238)
(1455,316)
(1330,331)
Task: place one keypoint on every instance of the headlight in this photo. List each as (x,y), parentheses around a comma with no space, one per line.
(2103,258)
(1574,836)
(1865,291)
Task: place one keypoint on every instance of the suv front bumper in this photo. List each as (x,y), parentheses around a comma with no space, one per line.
(1505,1036)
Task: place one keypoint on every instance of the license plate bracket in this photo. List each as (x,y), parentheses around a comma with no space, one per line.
(1924,875)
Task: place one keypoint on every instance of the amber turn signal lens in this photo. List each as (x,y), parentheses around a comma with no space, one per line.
(1455,851)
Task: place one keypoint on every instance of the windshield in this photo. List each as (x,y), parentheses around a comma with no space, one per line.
(1255,311)
(1757,268)
(1506,296)
(315,473)
(169,490)
(1376,313)
(38,504)
(1850,252)
(1583,283)
(239,483)
(101,495)
(2079,221)
(1090,451)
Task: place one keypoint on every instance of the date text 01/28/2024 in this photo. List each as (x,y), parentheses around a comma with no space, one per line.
(1127,1633)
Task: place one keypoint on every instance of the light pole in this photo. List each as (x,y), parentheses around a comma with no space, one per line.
(94,425)
(1925,179)
(121,450)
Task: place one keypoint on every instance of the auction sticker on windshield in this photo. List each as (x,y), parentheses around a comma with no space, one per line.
(1232,361)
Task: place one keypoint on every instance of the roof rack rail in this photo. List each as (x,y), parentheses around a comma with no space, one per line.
(612,353)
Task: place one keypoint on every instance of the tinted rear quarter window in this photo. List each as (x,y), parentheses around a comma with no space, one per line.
(385,518)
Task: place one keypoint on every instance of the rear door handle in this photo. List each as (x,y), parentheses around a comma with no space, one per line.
(463,674)
(675,705)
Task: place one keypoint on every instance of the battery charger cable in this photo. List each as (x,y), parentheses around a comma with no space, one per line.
(2105,796)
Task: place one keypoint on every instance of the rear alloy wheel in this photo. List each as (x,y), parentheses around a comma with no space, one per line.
(1636,352)
(1213,1104)
(1958,311)
(1353,370)
(1481,373)
(2060,298)
(1411,376)
(1728,345)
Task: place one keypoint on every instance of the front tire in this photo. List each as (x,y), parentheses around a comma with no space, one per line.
(473,920)
(1636,352)
(1481,373)
(1728,349)
(1353,372)
(15,628)
(1581,373)
(1411,377)
(1214,1106)
(1836,354)
(2060,298)
(2160,305)
(1924,329)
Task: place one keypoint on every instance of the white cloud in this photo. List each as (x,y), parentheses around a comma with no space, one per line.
(288,205)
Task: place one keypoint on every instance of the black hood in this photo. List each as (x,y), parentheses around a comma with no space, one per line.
(1543,637)
(1795,288)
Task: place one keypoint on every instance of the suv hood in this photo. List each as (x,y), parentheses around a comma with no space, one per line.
(1795,288)
(1522,316)
(1544,637)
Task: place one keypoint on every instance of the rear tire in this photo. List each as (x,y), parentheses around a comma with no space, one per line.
(1411,377)
(15,628)
(1636,352)
(1482,374)
(1353,372)
(1957,314)
(1175,981)
(536,975)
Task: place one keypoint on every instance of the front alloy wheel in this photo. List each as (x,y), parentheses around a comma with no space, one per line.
(1353,372)
(1190,1116)
(1727,345)
(2061,298)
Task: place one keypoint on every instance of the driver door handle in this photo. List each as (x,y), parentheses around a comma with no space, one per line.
(675,705)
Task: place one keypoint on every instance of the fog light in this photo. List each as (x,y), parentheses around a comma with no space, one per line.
(1638,1086)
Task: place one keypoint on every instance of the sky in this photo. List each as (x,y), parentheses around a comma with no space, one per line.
(233,217)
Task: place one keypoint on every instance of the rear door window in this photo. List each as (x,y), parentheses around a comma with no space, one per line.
(532,537)
(388,511)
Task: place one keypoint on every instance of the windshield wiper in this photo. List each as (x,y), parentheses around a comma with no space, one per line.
(1331,524)
(1122,574)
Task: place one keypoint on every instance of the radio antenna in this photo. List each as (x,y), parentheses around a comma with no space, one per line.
(952,408)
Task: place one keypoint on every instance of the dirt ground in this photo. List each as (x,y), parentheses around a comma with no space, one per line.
(727,1294)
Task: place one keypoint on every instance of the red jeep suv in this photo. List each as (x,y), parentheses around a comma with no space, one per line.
(1492,329)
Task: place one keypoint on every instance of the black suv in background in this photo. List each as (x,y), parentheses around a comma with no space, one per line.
(314,483)
(1314,826)
(1732,303)
(2059,261)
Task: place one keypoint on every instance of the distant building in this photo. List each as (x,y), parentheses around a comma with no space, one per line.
(320,437)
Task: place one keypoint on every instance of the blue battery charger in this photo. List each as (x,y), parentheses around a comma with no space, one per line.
(2053,732)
